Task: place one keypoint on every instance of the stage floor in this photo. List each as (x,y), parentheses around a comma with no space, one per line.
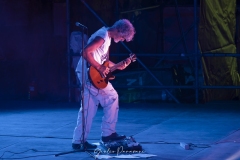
(38,130)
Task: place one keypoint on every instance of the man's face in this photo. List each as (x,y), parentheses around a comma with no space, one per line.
(117,38)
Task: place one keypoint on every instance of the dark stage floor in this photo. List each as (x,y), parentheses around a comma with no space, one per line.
(39,130)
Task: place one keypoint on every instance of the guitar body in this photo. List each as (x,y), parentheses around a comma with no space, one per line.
(101,82)
(97,80)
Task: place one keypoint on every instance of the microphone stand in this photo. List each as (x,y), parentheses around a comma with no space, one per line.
(82,145)
(82,92)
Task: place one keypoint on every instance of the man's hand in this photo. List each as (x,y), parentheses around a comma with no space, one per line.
(103,70)
(126,62)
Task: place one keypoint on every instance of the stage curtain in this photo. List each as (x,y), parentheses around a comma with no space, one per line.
(217,27)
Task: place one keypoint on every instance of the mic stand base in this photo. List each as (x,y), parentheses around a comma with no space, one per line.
(74,151)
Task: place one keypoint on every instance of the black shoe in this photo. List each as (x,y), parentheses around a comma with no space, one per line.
(113,137)
(76,146)
(89,145)
(86,146)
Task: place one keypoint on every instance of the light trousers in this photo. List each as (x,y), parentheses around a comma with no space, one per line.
(108,98)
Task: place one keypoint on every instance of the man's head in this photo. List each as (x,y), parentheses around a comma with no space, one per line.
(123,30)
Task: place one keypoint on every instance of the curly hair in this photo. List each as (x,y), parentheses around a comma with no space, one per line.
(125,29)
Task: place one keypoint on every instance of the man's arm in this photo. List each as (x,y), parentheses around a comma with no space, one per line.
(121,67)
(124,65)
(90,48)
(111,64)
(88,55)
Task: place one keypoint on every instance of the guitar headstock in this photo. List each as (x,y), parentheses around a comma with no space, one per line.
(133,57)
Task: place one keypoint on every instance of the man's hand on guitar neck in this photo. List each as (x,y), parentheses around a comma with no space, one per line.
(124,64)
(103,70)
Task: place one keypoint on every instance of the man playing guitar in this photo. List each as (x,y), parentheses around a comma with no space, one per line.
(96,53)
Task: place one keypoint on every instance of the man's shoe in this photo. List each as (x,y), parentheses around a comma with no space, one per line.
(89,145)
(113,137)
(86,146)
(76,146)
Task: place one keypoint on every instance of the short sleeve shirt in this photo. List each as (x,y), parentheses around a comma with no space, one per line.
(100,54)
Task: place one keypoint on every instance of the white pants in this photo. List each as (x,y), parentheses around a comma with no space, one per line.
(108,98)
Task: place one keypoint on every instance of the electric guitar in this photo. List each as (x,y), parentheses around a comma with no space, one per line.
(101,82)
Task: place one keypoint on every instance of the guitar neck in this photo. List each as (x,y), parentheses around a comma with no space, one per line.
(132,57)
(113,68)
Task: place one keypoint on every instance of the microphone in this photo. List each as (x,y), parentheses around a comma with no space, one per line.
(80,25)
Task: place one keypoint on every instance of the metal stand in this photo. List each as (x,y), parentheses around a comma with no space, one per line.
(82,146)
(80,150)
(82,90)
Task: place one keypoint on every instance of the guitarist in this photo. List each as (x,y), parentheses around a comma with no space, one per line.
(96,53)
